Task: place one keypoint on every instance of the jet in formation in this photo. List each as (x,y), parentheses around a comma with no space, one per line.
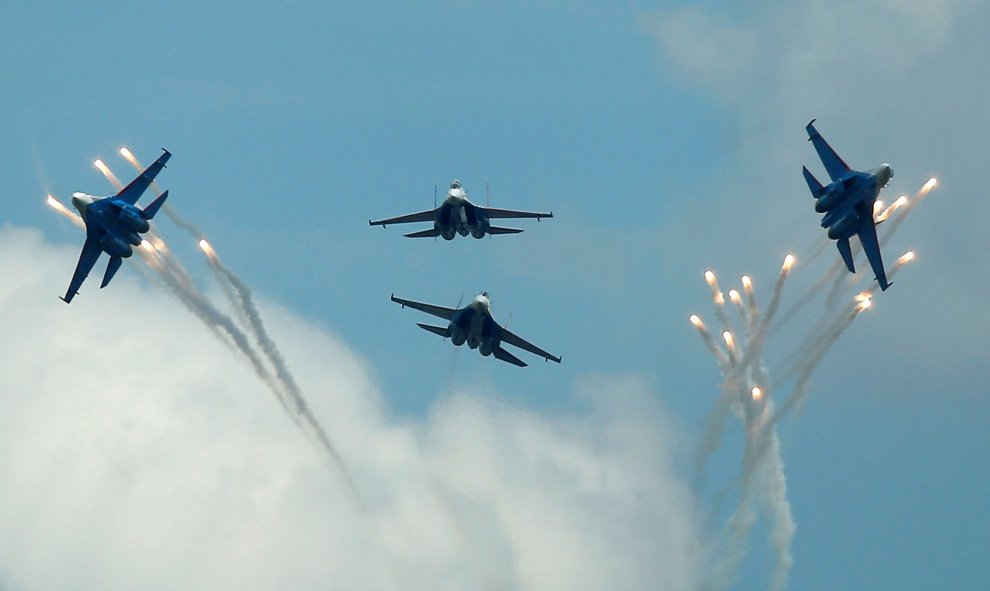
(114,225)
(457,215)
(473,324)
(847,203)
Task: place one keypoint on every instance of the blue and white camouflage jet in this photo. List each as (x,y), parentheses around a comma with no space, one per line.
(847,203)
(457,215)
(473,324)
(114,225)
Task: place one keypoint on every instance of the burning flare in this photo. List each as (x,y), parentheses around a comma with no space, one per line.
(735,297)
(907,257)
(696,320)
(788,263)
(727,337)
(757,393)
(207,249)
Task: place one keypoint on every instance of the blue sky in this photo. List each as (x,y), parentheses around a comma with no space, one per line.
(665,137)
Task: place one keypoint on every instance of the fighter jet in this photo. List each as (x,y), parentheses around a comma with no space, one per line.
(114,225)
(473,324)
(847,203)
(457,215)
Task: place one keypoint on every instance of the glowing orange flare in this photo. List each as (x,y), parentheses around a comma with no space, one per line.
(901,201)
(727,337)
(866,303)
(99,164)
(929,185)
(696,320)
(147,246)
(877,206)
(710,277)
(720,299)
(907,257)
(757,393)
(129,156)
(205,246)
(53,202)
(735,297)
(788,262)
(747,283)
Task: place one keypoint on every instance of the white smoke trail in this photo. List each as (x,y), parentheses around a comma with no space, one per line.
(763,481)
(178,281)
(291,394)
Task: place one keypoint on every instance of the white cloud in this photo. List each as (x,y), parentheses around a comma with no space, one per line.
(136,451)
(889,81)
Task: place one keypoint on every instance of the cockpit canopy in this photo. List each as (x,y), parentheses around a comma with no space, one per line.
(455,184)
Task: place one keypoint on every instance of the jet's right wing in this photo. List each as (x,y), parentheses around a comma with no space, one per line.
(133,191)
(509,213)
(836,166)
(87,258)
(867,232)
(515,341)
(422,216)
(445,313)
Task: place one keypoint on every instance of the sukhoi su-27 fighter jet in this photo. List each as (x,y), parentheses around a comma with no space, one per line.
(473,324)
(457,215)
(847,203)
(114,225)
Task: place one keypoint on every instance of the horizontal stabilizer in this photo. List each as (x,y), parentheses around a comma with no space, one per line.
(431,233)
(494,230)
(816,187)
(112,267)
(150,211)
(846,251)
(504,355)
(438,330)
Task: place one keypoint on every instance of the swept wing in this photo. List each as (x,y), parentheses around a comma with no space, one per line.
(493,213)
(867,232)
(87,258)
(516,341)
(442,312)
(422,216)
(834,165)
(133,191)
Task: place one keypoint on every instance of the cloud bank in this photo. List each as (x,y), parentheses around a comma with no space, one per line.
(137,451)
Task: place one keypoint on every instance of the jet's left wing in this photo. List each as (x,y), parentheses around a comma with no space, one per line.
(87,258)
(867,232)
(133,191)
(836,166)
(515,341)
(509,213)
(422,216)
(445,313)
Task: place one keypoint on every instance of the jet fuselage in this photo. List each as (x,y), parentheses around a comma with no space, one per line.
(122,222)
(473,325)
(457,215)
(847,200)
